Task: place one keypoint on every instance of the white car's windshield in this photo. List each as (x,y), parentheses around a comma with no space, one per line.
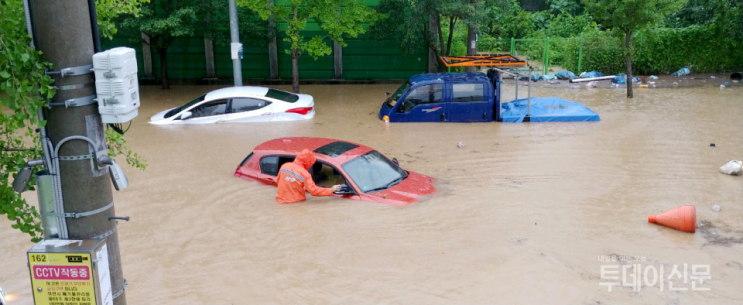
(372,172)
(184,107)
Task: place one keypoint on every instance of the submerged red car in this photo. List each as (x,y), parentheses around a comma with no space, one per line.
(370,176)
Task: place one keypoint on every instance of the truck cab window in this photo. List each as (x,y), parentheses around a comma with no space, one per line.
(467,93)
(427,94)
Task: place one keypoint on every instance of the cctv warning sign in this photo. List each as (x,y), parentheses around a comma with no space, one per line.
(62,278)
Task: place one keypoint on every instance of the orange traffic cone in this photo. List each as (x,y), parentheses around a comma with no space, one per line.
(683,218)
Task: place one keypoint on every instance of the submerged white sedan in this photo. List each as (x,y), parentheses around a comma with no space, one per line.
(240,104)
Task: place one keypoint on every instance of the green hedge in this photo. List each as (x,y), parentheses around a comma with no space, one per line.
(656,51)
(666,50)
(602,51)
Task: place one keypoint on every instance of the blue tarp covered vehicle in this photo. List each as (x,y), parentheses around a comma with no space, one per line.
(547,109)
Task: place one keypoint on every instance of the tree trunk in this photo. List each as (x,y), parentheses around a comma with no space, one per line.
(429,31)
(452,23)
(273,63)
(628,61)
(441,36)
(295,71)
(164,68)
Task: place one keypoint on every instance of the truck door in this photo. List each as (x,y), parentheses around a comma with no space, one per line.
(470,102)
(423,103)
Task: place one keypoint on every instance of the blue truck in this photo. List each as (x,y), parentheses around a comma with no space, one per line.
(445,97)
(474,97)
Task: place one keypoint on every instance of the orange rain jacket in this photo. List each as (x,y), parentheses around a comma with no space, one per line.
(294,179)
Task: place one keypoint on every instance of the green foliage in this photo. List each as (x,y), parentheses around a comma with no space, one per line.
(459,38)
(569,7)
(666,50)
(169,20)
(656,51)
(108,10)
(487,43)
(164,21)
(566,25)
(721,16)
(336,18)
(404,22)
(253,29)
(541,19)
(627,15)
(707,38)
(21,70)
(510,21)
(117,147)
(410,22)
(564,32)
(602,51)
(24,90)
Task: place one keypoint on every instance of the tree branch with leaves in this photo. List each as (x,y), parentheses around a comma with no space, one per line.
(24,91)
(628,16)
(337,18)
(163,21)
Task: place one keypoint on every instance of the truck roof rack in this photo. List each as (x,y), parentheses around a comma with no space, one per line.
(495,60)
(502,63)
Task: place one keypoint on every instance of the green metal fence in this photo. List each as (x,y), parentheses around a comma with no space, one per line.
(363,58)
(568,52)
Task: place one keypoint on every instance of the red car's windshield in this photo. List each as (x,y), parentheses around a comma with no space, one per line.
(372,172)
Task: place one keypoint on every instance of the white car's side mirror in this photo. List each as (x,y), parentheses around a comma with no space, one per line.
(186,114)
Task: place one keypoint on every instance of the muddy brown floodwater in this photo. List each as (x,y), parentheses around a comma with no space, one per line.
(524,212)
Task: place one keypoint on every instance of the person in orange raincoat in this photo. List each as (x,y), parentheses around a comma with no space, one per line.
(294,178)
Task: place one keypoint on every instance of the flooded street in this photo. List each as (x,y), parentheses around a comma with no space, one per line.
(522,215)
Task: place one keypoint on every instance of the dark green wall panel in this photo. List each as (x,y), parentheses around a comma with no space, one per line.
(363,58)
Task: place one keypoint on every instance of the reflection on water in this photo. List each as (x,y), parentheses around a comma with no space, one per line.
(522,214)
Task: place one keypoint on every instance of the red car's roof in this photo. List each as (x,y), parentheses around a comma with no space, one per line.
(294,145)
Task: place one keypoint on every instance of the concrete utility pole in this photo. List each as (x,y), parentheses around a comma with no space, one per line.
(337,60)
(62,30)
(471,45)
(237,72)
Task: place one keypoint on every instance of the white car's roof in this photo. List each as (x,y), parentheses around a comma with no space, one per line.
(236,91)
